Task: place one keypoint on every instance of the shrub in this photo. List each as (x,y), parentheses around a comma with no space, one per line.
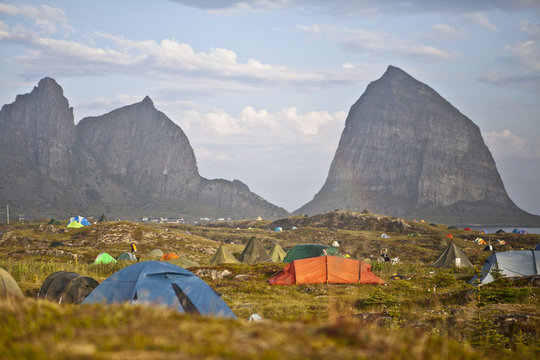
(444,279)
(505,295)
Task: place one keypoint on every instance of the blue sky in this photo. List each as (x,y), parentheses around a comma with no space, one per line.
(262,88)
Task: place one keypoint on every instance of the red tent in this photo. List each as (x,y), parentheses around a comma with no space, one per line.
(326,270)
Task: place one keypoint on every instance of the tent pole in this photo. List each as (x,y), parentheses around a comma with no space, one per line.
(7,213)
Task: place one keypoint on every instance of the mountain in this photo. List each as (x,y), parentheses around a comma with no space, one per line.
(406,151)
(132,161)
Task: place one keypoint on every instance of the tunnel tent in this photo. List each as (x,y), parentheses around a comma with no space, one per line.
(8,285)
(223,256)
(452,256)
(277,254)
(54,285)
(325,270)
(77,289)
(160,283)
(510,263)
(254,253)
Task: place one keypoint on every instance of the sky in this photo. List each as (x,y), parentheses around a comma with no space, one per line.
(262,88)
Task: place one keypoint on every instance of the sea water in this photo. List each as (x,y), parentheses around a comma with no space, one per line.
(493,229)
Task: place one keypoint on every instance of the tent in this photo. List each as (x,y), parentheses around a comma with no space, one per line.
(102,218)
(169,256)
(104,258)
(537,248)
(278,228)
(450,236)
(8,285)
(77,222)
(160,283)
(126,256)
(77,289)
(223,256)
(452,256)
(259,218)
(326,270)
(54,285)
(56,244)
(183,262)
(277,254)
(467,229)
(480,241)
(53,222)
(384,236)
(489,248)
(511,264)
(309,250)
(500,231)
(254,253)
(155,254)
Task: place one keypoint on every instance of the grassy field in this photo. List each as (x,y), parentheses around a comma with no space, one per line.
(429,314)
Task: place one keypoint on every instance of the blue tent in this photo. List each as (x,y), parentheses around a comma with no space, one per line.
(158,282)
(80,219)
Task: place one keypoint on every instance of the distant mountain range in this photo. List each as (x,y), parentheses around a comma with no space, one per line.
(406,151)
(133,161)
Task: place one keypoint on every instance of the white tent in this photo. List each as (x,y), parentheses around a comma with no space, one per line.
(511,264)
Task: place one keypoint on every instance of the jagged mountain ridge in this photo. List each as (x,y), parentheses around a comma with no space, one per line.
(131,161)
(406,151)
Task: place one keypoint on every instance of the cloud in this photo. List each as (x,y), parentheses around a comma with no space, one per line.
(530,28)
(480,19)
(447,31)
(523,61)
(504,144)
(44,16)
(166,60)
(311,29)
(365,40)
(363,8)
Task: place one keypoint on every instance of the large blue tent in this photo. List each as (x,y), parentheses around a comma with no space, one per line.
(158,282)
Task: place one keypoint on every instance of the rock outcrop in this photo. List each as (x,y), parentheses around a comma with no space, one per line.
(406,151)
(129,162)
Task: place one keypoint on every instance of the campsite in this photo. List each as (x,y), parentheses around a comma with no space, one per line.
(60,299)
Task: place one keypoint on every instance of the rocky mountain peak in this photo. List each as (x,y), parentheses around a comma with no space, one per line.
(406,151)
(147,101)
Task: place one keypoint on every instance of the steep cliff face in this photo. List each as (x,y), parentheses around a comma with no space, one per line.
(39,125)
(141,145)
(131,161)
(406,151)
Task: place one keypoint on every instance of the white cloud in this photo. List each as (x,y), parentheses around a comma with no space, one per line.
(311,29)
(505,144)
(480,19)
(530,28)
(448,31)
(366,40)
(347,66)
(527,53)
(44,16)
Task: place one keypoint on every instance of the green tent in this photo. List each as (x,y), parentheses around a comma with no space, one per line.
(277,254)
(452,256)
(53,222)
(223,256)
(254,253)
(125,256)
(183,262)
(56,244)
(155,254)
(104,258)
(309,250)
(102,218)
(75,225)
(8,285)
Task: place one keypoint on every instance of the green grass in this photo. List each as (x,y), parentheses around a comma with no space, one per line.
(432,314)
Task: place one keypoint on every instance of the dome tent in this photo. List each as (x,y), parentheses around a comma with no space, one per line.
(161,283)
(8,285)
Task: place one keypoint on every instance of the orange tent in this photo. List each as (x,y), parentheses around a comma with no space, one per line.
(169,256)
(449,236)
(326,270)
